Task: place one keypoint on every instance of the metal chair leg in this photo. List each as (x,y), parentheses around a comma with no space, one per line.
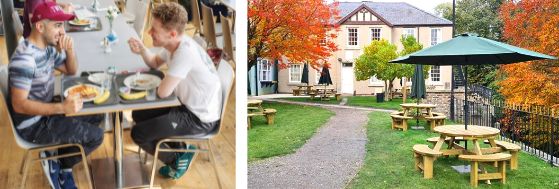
(214,163)
(25,167)
(23,162)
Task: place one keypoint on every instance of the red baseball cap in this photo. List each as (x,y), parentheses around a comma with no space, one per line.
(49,10)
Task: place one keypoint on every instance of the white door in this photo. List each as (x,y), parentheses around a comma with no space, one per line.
(347,78)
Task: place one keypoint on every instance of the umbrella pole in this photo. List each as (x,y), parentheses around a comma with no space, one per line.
(466,107)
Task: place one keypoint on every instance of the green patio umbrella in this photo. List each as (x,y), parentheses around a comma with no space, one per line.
(418,83)
(469,49)
(305,75)
(418,87)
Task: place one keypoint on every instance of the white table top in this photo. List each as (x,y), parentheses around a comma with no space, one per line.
(89,52)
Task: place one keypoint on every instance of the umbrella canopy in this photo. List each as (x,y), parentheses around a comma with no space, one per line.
(418,83)
(469,49)
(325,76)
(305,76)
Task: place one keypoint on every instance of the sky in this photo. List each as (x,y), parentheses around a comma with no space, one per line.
(426,5)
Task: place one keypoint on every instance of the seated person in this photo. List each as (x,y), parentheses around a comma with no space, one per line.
(192,77)
(31,86)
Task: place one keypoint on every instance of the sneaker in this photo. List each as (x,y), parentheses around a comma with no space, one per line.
(66,179)
(182,163)
(51,169)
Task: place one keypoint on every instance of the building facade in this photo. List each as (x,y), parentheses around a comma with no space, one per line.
(363,22)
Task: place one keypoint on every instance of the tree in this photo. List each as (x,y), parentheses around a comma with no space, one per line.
(300,31)
(532,25)
(481,17)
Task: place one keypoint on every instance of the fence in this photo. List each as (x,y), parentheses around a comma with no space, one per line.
(534,128)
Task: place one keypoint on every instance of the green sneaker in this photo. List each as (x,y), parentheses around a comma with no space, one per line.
(182,163)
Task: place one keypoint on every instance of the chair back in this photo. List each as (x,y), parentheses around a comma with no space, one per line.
(227,78)
(140,18)
(17,25)
(195,13)
(227,40)
(4,106)
(209,25)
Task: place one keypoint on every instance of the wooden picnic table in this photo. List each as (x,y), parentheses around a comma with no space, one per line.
(408,106)
(305,88)
(474,133)
(255,106)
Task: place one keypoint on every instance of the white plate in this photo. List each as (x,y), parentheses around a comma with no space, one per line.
(84,99)
(73,22)
(97,78)
(142,81)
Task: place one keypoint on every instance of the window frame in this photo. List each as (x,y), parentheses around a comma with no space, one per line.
(438,37)
(264,72)
(432,77)
(373,81)
(379,33)
(349,37)
(300,72)
(405,32)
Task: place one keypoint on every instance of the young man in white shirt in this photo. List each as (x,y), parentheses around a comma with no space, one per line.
(192,77)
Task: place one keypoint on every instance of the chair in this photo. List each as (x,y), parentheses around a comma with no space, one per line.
(195,16)
(209,25)
(31,147)
(135,15)
(227,78)
(227,40)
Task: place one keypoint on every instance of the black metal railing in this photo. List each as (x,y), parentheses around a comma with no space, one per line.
(534,128)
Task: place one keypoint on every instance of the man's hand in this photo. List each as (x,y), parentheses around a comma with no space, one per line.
(66,43)
(136,46)
(72,104)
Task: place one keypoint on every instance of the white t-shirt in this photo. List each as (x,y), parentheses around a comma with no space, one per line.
(200,87)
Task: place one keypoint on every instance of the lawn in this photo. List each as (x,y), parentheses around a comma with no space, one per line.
(293,126)
(389,163)
(364,101)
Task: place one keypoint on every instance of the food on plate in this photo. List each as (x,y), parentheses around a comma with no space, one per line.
(141,82)
(103,98)
(80,21)
(86,92)
(133,96)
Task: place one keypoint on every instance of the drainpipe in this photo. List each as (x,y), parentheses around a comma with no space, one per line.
(256,77)
(9,29)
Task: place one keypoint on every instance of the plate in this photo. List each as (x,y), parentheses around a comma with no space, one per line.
(97,78)
(79,87)
(81,22)
(142,81)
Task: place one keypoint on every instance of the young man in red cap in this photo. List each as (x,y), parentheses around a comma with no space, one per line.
(31,82)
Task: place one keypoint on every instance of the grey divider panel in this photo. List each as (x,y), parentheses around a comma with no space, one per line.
(120,83)
(94,26)
(71,81)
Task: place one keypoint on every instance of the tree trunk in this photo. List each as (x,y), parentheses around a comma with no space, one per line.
(404,90)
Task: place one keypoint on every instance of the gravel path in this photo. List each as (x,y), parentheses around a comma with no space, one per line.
(330,159)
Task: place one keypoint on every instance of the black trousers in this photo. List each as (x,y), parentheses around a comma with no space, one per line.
(156,124)
(59,129)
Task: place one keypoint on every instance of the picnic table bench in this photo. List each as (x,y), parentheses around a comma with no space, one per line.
(255,108)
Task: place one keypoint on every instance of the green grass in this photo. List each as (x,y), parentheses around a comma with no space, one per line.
(371,101)
(389,163)
(293,126)
(314,100)
(363,101)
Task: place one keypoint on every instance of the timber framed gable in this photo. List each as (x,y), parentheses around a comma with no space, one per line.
(363,15)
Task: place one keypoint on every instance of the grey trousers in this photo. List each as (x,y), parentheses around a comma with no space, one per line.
(59,129)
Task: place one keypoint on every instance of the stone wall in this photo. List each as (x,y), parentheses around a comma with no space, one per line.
(441,98)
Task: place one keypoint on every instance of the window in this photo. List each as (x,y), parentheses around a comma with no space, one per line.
(265,70)
(375,34)
(376,82)
(409,31)
(436,73)
(436,36)
(295,72)
(352,36)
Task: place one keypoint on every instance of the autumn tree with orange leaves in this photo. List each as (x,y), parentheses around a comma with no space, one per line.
(534,25)
(299,31)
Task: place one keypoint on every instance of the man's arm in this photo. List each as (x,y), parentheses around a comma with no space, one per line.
(167,86)
(23,105)
(151,59)
(66,43)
